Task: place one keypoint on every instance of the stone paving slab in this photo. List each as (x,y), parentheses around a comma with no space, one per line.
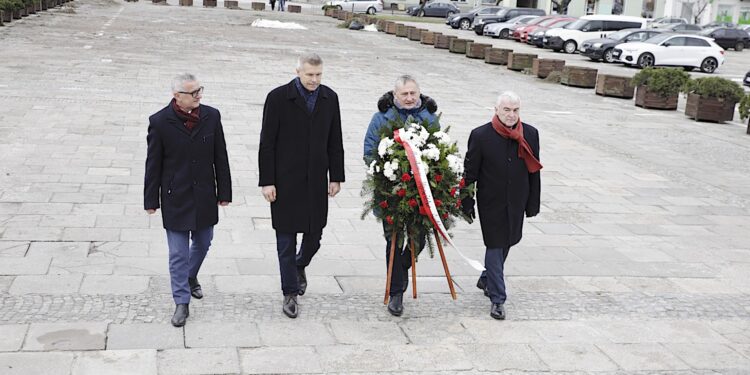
(144,336)
(52,363)
(52,284)
(66,336)
(13,336)
(222,335)
(94,284)
(115,362)
(199,361)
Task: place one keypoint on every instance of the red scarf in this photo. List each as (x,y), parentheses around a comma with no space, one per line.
(189,119)
(516,134)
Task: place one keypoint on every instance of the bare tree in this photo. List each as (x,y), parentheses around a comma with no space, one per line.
(699,7)
(562,6)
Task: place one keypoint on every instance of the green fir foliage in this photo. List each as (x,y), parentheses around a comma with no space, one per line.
(715,87)
(663,81)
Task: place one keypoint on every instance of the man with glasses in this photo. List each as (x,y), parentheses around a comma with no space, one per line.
(301,164)
(187,175)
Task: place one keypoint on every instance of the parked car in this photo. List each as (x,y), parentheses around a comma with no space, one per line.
(713,25)
(744,27)
(463,20)
(685,50)
(503,16)
(662,22)
(601,48)
(746,81)
(358,6)
(503,29)
(682,28)
(537,38)
(434,9)
(520,32)
(728,38)
(589,27)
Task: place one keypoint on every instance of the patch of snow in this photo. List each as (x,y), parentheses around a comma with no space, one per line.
(271,24)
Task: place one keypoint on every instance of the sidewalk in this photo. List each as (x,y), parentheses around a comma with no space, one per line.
(637,264)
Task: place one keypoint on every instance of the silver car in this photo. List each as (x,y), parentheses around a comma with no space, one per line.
(503,29)
(358,6)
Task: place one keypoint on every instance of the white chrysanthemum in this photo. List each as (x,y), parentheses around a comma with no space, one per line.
(371,169)
(455,164)
(431,152)
(442,138)
(384,147)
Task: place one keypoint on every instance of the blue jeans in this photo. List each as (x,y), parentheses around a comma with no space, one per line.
(281,5)
(494,276)
(185,259)
(290,260)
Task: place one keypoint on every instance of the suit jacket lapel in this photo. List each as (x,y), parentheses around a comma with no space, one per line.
(174,120)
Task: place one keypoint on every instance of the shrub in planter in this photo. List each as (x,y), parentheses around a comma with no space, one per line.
(659,87)
(712,98)
(745,110)
(7,7)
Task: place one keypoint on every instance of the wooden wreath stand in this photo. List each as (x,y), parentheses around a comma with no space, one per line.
(414,267)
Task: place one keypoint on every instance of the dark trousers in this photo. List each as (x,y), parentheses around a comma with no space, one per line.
(494,276)
(290,259)
(401,259)
(185,259)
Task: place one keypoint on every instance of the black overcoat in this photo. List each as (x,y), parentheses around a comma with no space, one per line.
(187,173)
(505,188)
(299,153)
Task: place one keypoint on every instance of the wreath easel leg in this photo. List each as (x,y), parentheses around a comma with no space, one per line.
(445,265)
(390,267)
(413,270)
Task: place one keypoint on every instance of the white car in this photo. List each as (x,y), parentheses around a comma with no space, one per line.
(502,29)
(358,6)
(687,51)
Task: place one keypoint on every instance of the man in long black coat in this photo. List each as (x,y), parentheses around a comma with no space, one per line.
(503,159)
(187,175)
(301,164)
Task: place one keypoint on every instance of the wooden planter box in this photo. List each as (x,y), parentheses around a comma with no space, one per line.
(578,76)
(415,34)
(458,45)
(294,8)
(497,56)
(520,61)
(209,3)
(231,4)
(390,27)
(328,12)
(381,25)
(2,18)
(17,14)
(37,5)
(258,6)
(709,109)
(617,86)
(401,30)
(407,31)
(476,50)
(43,3)
(30,9)
(444,41)
(647,99)
(186,3)
(428,37)
(543,67)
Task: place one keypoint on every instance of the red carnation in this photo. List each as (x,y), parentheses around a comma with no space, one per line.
(389,220)
(384,204)
(438,177)
(412,203)
(458,204)
(423,210)
(453,191)
(405,177)
(445,215)
(401,193)
(462,184)
(438,203)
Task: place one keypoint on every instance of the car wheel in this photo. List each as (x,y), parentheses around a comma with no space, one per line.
(504,33)
(370,10)
(420,13)
(570,46)
(464,24)
(608,56)
(709,65)
(645,60)
(739,46)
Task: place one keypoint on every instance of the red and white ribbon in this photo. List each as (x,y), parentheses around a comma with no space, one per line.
(425,193)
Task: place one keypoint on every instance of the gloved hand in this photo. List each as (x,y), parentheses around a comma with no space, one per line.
(467,206)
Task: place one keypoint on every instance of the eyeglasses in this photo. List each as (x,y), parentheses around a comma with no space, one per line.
(195,94)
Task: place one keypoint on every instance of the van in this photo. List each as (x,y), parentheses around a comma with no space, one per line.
(570,37)
(503,16)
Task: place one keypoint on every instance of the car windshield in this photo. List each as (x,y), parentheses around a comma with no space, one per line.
(578,24)
(658,38)
(708,31)
(516,19)
(618,35)
(536,21)
(547,22)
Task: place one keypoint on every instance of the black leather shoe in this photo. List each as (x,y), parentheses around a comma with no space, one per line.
(181,313)
(497,311)
(396,305)
(195,288)
(482,284)
(290,306)
(302,279)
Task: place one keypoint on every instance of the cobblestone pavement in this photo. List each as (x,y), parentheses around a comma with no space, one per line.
(637,264)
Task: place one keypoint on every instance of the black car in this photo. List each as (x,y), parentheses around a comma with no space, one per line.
(434,9)
(746,81)
(464,20)
(728,38)
(601,49)
(504,15)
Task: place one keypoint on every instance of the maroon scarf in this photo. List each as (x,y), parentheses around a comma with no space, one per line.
(190,120)
(516,134)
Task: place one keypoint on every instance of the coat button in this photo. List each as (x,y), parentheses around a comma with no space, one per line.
(195,161)
(509,160)
(195,182)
